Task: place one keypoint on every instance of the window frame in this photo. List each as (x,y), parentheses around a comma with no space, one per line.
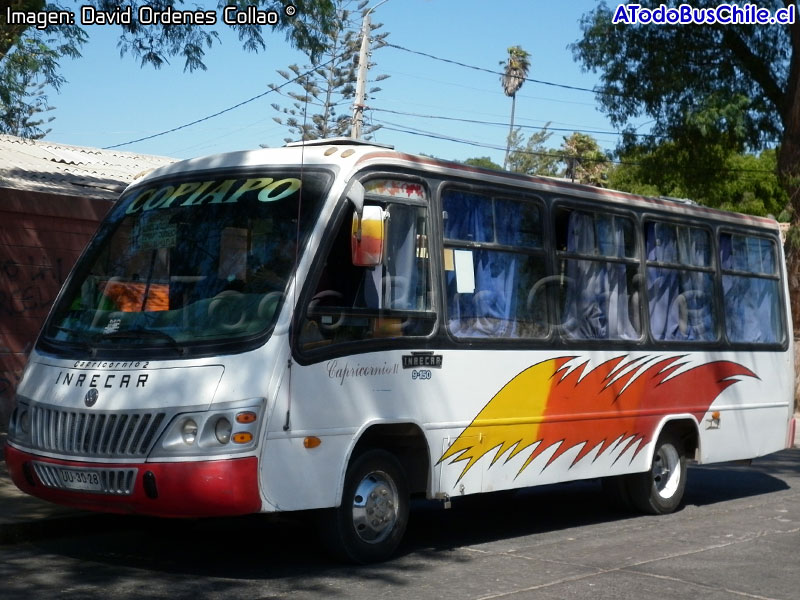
(493,193)
(779,276)
(713,270)
(581,204)
(341,211)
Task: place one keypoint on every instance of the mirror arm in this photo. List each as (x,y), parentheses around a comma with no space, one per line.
(356,197)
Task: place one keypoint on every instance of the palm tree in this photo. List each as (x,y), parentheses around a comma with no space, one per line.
(516,70)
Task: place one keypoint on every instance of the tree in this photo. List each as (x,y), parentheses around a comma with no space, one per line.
(329,85)
(742,181)
(533,158)
(579,158)
(484,162)
(30,56)
(25,115)
(712,86)
(29,62)
(515,71)
(585,160)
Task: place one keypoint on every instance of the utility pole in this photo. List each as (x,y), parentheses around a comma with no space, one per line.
(361,81)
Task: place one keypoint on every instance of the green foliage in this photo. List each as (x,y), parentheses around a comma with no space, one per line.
(29,57)
(320,108)
(724,179)
(727,80)
(515,70)
(483,162)
(585,160)
(718,96)
(532,157)
(28,62)
(579,158)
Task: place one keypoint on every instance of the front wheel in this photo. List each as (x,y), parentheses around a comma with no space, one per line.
(372,518)
(660,490)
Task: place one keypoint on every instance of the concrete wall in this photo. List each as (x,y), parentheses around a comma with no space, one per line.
(41,236)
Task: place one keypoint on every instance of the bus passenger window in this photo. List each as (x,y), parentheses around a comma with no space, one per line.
(494,267)
(599,276)
(353,303)
(680,282)
(750,289)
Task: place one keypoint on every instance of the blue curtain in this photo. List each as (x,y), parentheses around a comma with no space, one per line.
(751,302)
(597,303)
(680,300)
(490,311)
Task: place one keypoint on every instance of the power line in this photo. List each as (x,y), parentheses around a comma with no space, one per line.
(420,132)
(398,128)
(224,110)
(493,72)
(504,124)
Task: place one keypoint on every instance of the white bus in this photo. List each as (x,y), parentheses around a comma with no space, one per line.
(341,326)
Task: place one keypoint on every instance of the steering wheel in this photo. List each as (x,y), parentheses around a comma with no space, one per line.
(323,295)
(223,307)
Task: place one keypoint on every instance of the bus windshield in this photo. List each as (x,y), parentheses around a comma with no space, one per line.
(190,261)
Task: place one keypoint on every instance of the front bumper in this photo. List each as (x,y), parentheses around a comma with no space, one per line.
(183,489)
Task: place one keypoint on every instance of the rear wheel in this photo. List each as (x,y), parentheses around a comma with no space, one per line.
(373,515)
(660,490)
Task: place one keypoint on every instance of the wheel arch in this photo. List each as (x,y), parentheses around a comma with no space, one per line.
(686,428)
(406,441)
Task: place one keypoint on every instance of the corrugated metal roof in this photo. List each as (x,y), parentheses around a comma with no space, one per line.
(49,167)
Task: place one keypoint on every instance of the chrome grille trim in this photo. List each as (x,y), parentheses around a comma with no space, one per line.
(116,482)
(95,434)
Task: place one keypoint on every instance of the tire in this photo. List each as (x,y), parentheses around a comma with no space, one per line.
(659,491)
(371,520)
(616,492)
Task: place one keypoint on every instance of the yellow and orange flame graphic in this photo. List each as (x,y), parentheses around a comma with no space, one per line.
(618,402)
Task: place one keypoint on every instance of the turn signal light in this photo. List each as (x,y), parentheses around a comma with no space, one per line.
(311,441)
(246,417)
(242,437)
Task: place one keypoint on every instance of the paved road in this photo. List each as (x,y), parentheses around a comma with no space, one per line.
(737,537)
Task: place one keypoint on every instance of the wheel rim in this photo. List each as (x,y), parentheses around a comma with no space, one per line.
(375,505)
(666,471)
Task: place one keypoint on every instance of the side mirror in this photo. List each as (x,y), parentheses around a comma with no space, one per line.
(356,197)
(367,236)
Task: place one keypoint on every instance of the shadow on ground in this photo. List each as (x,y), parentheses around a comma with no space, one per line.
(285,547)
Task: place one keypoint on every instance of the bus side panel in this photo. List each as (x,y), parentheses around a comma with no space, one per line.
(751,418)
(502,420)
(298,478)
(598,414)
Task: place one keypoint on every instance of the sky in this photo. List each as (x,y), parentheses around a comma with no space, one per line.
(110,100)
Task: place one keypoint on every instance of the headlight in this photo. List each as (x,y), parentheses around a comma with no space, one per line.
(228,428)
(25,421)
(222,430)
(189,431)
(19,426)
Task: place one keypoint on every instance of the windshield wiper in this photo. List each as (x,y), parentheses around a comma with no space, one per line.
(140,333)
(83,340)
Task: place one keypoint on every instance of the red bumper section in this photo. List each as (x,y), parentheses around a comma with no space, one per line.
(184,489)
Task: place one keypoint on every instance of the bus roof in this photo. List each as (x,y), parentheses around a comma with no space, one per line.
(354,155)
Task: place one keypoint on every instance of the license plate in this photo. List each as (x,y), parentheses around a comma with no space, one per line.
(74,479)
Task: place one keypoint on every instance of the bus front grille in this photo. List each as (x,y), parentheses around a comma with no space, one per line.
(94,434)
